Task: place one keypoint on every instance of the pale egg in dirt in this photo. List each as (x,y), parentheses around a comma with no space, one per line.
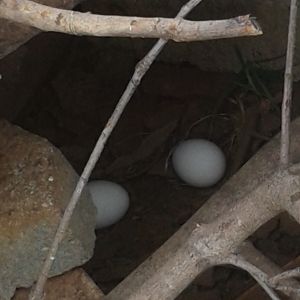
(199,162)
(111,201)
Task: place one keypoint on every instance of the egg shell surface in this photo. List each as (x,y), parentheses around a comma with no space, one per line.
(199,162)
(111,201)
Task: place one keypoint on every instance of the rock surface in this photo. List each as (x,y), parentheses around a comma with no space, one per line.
(75,284)
(36,183)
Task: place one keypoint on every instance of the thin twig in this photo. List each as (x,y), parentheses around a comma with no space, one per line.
(288,87)
(140,70)
(285,275)
(288,290)
(267,283)
(260,276)
(289,286)
(278,282)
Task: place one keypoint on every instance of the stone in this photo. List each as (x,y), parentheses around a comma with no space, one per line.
(75,284)
(36,183)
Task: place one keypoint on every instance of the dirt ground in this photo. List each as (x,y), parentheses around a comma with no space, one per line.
(239,112)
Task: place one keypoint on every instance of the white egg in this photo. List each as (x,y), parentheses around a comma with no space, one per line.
(111,201)
(199,162)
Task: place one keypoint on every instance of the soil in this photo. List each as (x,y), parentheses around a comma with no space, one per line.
(70,102)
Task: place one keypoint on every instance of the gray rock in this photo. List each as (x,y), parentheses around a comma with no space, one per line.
(36,183)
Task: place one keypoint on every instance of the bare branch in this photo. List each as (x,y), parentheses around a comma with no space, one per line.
(287,274)
(256,273)
(251,197)
(281,281)
(267,283)
(140,71)
(288,290)
(53,19)
(288,87)
(292,204)
(255,257)
(197,244)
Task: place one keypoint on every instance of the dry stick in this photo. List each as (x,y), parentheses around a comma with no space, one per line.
(288,87)
(255,257)
(140,71)
(263,279)
(288,290)
(260,276)
(267,282)
(52,19)
(287,274)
